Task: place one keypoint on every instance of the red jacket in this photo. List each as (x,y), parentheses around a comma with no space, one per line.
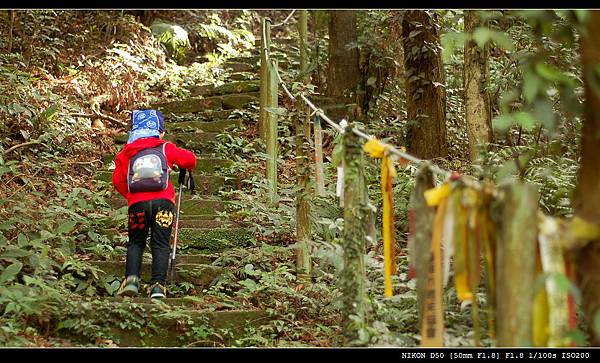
(183,158)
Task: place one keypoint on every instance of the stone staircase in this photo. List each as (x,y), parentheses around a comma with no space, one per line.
(194,123)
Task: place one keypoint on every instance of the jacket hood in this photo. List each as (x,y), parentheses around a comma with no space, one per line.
(140,144)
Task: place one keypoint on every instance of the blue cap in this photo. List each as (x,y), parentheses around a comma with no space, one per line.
(146,123)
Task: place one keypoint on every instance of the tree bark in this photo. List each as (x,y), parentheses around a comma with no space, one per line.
(477,100)
(353,275)
(343,74)
(587,196)
(425,86)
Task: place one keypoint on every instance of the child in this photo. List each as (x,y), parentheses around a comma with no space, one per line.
(141,175)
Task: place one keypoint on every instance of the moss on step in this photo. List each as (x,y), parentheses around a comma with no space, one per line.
(190,105)
(170,333)
(241,76)
(199,275)
(212,126)
(159,324)
(251,59)
(238,101)
(191,139)
(227,88)
(204,224)
(239,67)
(215,240)
(203,206)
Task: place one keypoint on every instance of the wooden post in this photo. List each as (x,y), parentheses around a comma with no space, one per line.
(303,230)
(264,78)
(353,274)
(420,243)
(271,126)
(515,268)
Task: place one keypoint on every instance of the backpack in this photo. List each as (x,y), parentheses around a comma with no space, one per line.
(148,170)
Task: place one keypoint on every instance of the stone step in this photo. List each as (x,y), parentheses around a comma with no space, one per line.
(189,207)
(212,126)
(251,59)
(205,184)
(215,240)
(199,275)
(197,104)
(209,115)
(227,88)
(204,224)
(198,259)
(193,138)
(243,76)
(239,67)
(165,330)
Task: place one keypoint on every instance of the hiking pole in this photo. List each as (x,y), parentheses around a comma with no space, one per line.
(171,272)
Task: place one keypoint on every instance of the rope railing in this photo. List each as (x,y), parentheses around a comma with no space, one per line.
(286,19)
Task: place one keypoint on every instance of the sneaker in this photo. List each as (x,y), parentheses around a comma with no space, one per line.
(158,291)
(129,287)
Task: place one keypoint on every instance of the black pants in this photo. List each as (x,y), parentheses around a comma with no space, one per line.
(156,216)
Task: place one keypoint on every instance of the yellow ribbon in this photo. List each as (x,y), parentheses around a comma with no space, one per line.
(376,149)
(432,327)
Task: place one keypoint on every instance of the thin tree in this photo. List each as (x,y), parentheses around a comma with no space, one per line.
(477,100)
(425,85)
(343,73)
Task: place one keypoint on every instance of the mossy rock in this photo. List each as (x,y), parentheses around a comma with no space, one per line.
(189,105)
(215,240)
(225,89)
(212,126)
(238,101)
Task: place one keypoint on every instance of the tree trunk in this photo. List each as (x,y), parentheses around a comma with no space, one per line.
(353,275)
(587,197)
(477,100)
(343,74)
(425,86)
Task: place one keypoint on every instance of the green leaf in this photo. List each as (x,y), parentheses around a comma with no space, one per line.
(22,240)
(15,253)
(543,112)
(371,81)
(66,227)
(502,122)
(551,73)
(502,40)
(525,120)
(481,36)
(10,272)
(531,85)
